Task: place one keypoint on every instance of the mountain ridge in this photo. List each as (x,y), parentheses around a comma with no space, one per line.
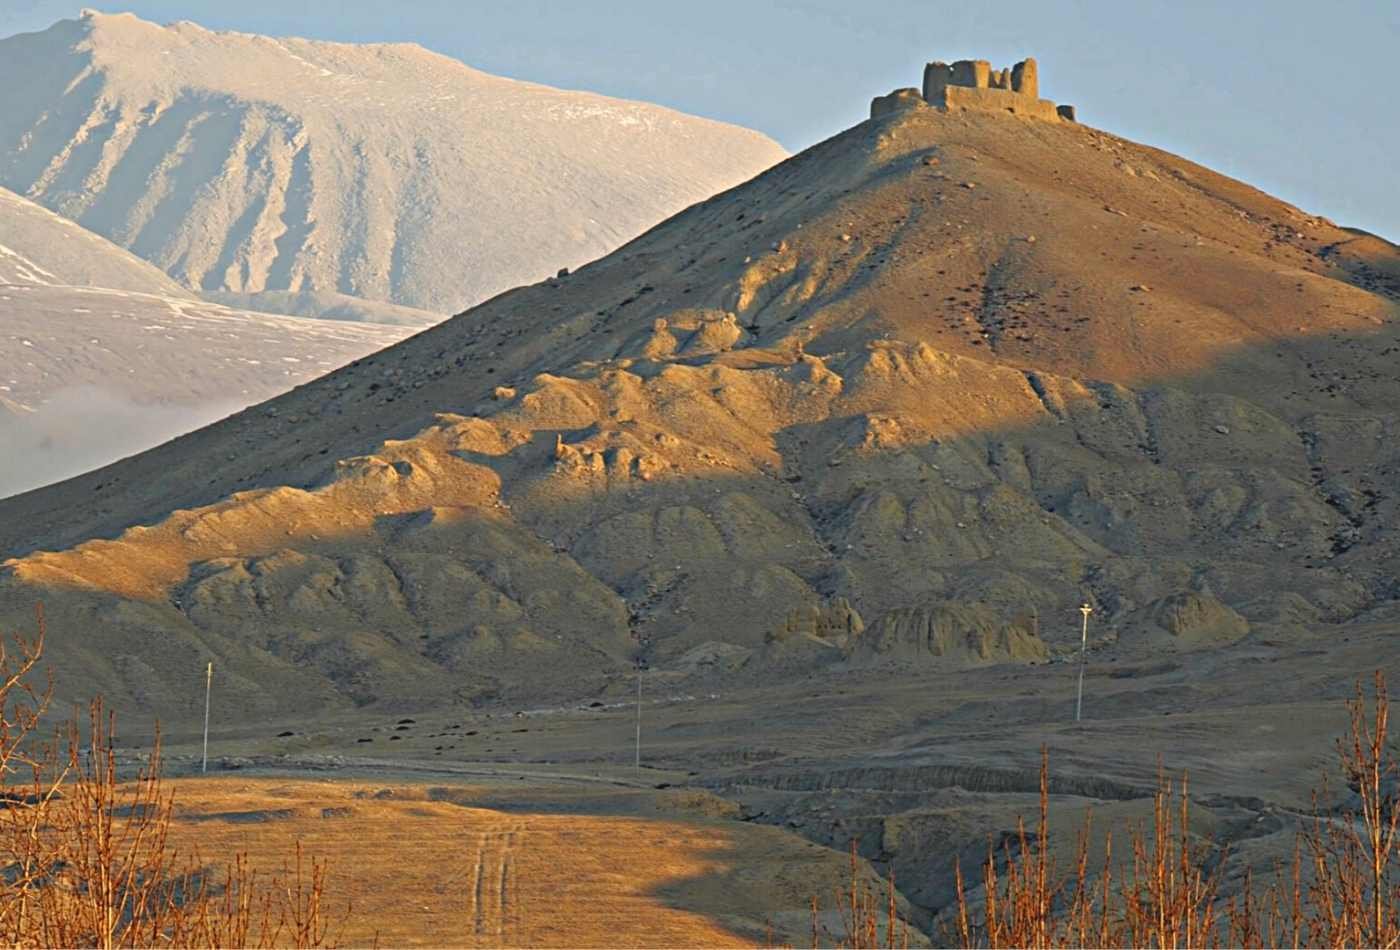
(242,164)
(45,255)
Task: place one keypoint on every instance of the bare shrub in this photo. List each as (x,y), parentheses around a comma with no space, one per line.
(86,856)
(861,910)
(1340,888)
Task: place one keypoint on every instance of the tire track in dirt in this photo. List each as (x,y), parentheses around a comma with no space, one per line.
(489,906)
(475,891)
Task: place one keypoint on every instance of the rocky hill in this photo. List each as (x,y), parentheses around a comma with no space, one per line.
(104,355)
(284,171)
(903,401)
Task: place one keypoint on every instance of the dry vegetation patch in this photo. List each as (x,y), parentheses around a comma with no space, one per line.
(430,872)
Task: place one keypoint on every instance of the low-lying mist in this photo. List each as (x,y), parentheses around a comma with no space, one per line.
(86,427)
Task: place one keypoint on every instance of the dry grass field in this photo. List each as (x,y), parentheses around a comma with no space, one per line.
(426,865)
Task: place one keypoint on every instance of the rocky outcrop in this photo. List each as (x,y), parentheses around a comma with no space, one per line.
(836,622)
(957,633)
(1194,617)
(687,333)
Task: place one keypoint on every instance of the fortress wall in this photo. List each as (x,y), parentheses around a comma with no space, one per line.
(975,73)
(896,101)
(1025,78)
(973,84)
(937,76)
(994,100)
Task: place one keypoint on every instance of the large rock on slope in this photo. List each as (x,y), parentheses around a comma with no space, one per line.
(920,406)
(245,164)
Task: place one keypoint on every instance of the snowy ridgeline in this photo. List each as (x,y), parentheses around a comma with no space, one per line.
(244,165)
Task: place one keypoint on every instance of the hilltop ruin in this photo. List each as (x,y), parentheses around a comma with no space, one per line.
(974,84)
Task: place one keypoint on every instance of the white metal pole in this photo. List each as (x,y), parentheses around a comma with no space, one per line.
(1086,610)
(208,685)
(639,720)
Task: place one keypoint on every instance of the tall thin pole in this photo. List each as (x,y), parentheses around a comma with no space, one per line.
(639,720)
(1086,610)
(208,685)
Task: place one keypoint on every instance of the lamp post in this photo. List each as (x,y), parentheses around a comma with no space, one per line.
(208,685)
(1086,610)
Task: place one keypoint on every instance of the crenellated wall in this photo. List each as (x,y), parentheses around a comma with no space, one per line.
(974,84)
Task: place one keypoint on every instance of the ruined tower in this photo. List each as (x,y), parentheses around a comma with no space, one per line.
(974,84)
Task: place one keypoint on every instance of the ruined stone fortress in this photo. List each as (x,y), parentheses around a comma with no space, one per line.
(974,84)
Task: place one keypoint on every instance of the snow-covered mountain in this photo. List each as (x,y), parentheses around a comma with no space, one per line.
(38,247)
(103,355)
(245,165)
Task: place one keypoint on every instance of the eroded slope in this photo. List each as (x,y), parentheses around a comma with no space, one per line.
(895,402)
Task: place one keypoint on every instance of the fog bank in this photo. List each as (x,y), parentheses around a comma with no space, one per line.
(86,427)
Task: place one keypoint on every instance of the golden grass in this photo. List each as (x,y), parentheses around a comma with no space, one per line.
(420,872)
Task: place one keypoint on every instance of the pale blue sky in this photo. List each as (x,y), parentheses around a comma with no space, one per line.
(1297,97)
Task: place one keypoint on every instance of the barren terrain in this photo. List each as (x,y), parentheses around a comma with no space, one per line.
(836,456)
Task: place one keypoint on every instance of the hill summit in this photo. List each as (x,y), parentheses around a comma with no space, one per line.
(902,402)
